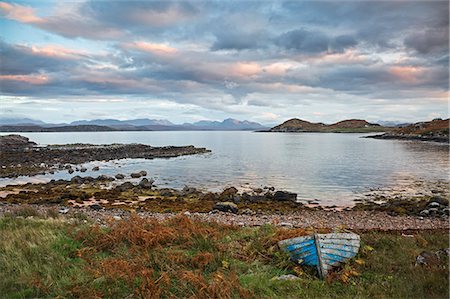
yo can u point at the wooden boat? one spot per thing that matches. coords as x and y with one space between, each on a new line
322 251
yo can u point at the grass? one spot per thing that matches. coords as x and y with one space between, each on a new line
181 258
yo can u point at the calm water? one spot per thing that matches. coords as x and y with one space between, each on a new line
331 168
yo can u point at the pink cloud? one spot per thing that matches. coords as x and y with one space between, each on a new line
19 13
30 79
154 48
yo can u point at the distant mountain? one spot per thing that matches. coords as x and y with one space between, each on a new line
227 124
131 122
19 121
394 124
350 125
142 124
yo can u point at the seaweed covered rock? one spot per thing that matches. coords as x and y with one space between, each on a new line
285 196
146 183
15 142
226 206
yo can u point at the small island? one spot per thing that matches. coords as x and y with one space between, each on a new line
296 125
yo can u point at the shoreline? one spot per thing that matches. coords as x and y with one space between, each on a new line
317 219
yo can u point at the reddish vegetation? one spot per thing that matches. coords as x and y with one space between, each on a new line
424 128
298 125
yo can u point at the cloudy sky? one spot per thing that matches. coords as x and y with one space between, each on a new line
264 61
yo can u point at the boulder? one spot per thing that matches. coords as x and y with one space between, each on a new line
83 169
77 180
229 192
285 196
70 170
96 207
104 177
143 173
124 187
433 204
226 206
286 277
189 190
95 168
119 176
146 183
135 175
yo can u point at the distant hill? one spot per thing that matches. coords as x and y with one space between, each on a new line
131 122
350 125
143 124
435 130
31 128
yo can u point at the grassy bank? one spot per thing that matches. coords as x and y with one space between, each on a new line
184 258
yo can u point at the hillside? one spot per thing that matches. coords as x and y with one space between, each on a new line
351 125
35 128
435 130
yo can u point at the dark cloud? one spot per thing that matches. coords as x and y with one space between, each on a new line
306 41
430 41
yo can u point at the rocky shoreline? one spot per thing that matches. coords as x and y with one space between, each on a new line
390 136
20 156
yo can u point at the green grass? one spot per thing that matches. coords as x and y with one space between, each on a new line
47 258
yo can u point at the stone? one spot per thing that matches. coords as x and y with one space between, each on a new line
117 217
143 173
166 192
83 169
146 183
95 168
229 191
189 190
226 206
70 170
427 258
433 211
285 196
104 177
77 180
135 175
119 176
124 187
433 204
424 213
96 207
187 213
258 190
63 210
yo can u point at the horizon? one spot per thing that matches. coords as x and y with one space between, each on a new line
184 61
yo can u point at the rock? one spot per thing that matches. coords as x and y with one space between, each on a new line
70 170
209 196
135 175
187 213
83 169
77 180
286 277
258 190
433 211
119 176
229 191
189 190
427 258
236 199
433 204
15 142
117 217
124 187
166 192
104 177
285 196
95 168
96 207
146 184
63 210
143 173
424 213
446 211
440 200
226 206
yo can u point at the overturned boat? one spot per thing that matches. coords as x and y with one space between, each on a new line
322 251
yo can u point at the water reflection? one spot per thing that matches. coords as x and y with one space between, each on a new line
332 168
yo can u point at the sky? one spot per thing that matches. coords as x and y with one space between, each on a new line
264 61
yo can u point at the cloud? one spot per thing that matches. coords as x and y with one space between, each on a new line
429 41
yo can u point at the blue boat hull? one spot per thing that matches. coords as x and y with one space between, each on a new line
323 251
